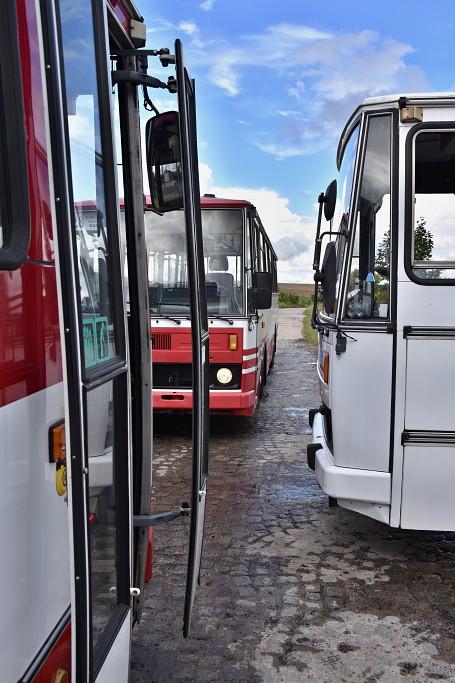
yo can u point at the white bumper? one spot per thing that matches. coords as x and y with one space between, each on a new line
347 483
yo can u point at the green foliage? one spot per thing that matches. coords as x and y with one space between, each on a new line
423 241
287 300
423 245
309 334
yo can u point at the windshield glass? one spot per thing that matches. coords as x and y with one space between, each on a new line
340 219
223 258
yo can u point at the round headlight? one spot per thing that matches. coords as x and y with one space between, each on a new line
224 375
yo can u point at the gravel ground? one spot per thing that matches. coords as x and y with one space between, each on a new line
291 590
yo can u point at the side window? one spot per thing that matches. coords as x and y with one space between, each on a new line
95 223
14 214
368 293
433 216
249 261
257 247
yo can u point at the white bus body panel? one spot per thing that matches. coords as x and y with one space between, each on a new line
35 572
349 485
430 383
428 500
360 388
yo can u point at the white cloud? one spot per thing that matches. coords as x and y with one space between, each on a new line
207 5
188 27
292 235
326 74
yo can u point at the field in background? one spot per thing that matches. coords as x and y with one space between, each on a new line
300 296
299 289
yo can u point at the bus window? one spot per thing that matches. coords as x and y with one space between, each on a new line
223 250
368 277
14 211
249 262
433 226
223 258
4 226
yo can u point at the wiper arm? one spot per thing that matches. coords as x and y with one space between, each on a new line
220 317
168 317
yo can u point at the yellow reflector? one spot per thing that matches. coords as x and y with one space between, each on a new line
232 342
325 369
57 442
411 114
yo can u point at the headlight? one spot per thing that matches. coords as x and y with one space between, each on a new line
224 375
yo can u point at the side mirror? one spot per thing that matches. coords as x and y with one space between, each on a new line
164 164
328 278
330 200
262 290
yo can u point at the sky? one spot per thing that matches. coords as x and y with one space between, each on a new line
276 81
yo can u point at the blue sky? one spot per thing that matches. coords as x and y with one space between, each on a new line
276 81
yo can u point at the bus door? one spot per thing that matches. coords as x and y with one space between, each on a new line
427 342
199 325
95 370
172 163
360 370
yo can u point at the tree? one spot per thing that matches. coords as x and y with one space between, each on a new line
423 245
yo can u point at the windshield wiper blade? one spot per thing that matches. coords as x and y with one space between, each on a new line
220 317
168 317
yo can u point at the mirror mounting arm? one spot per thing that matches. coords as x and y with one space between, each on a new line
140 78
342 233
161 517
163 53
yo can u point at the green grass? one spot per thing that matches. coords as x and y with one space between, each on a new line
286 300
308 333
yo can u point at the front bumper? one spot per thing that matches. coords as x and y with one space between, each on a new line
345 483
233 401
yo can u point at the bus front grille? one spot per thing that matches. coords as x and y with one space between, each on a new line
172 375
161 341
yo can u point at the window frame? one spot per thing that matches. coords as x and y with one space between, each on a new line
333 320
14 185
435 126
383 324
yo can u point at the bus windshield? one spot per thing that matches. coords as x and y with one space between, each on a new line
223 259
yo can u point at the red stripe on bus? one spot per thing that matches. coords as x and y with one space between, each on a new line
58 660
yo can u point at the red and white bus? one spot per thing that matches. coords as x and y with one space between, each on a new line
242 301
75 408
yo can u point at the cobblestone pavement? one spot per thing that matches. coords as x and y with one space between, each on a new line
291 589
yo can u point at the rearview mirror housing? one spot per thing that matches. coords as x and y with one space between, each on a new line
330 200
262 290
164 163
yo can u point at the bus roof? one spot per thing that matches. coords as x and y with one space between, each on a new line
435 99
214 202
219 202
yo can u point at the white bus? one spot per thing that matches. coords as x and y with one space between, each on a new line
383 439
